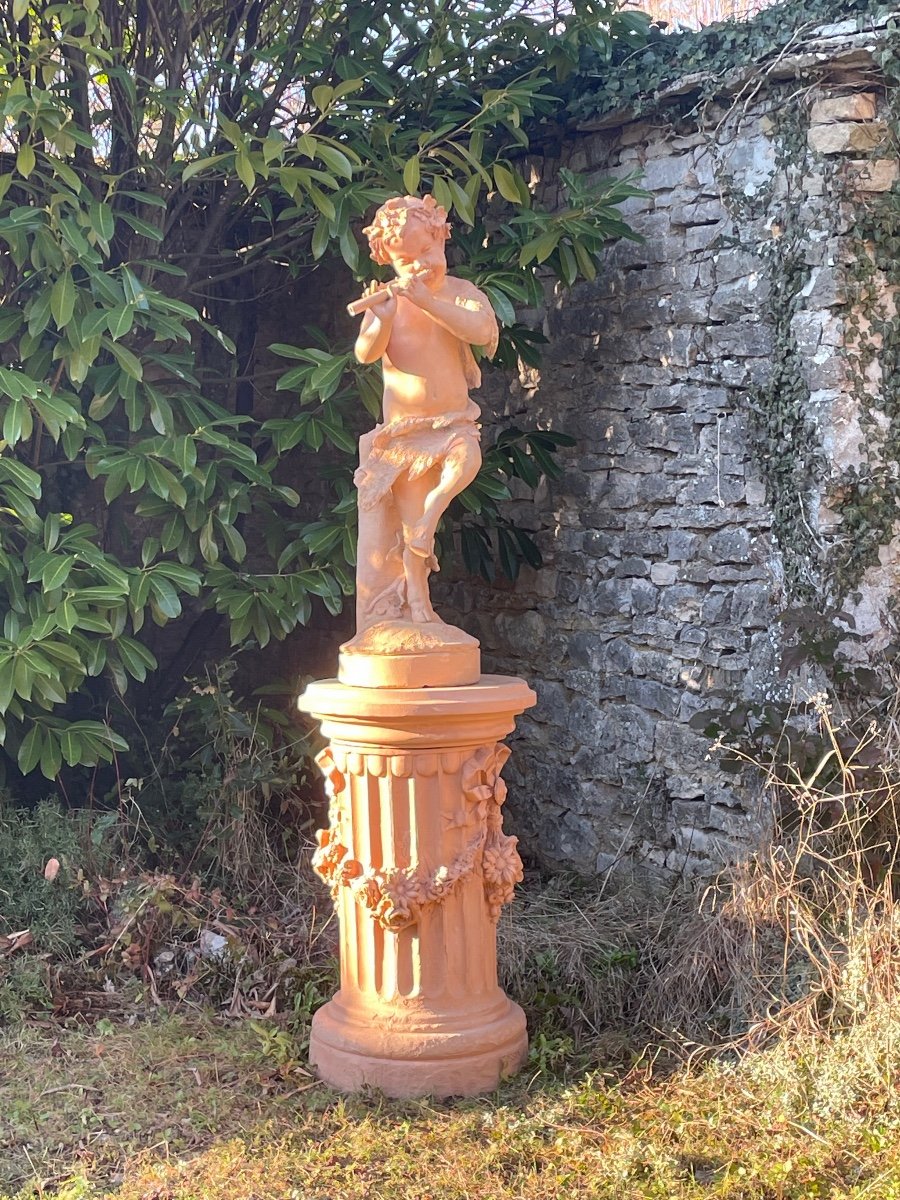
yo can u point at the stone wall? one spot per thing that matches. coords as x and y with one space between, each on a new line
677 534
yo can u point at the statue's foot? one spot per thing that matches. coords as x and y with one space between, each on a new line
423 614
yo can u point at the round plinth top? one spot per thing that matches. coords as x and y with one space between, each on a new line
491 694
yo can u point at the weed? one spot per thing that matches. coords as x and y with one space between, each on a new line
47 908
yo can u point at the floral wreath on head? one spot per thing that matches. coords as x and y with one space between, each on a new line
391 219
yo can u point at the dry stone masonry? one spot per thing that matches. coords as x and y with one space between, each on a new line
707 376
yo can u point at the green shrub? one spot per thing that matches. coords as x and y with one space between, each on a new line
28 840
160 184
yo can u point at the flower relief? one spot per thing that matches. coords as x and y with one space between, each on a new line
500 862
502 869
395 896
330 860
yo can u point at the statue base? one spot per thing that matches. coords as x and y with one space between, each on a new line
419 869
417 1053
410 654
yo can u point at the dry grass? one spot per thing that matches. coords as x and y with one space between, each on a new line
804 935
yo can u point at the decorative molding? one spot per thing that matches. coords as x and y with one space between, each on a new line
396 896
501 865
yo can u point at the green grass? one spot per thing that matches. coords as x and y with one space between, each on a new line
196 1108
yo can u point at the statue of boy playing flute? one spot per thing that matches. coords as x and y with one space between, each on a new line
422 327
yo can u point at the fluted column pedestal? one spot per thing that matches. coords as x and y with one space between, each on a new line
419 868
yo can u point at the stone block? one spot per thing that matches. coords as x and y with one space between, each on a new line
749 339
655 627
712 490
690 637
641 313
644 597
686 787
732 821
855 106
715 607
663 573
751 606
681 545
691 813
627 731
732 301
521 632
695 572
699 516
677 744
732 574
847 138
750 164
672 431
690 308
606 599
610 687
824 289
552 700
704 212
653 696
873 175
699 237
668 172
755 491
735 263
681 602
598 544
633 566
729 546
585 721
704 170
586 649
619 656
825 370
643 542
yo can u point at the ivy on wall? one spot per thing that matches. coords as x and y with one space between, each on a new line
785 436
868 495
633 78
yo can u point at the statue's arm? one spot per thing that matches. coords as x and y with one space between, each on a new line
375 332
469 316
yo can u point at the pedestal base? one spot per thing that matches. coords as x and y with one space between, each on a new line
419 868
417 1057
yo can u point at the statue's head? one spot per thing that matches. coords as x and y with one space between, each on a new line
406 225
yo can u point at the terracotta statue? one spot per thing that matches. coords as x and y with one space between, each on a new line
414 854
422 327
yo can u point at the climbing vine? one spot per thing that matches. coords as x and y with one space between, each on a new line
784 435
707 56
868 495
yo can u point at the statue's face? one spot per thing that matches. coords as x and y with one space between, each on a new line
419 251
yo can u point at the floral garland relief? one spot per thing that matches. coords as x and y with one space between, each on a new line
395 896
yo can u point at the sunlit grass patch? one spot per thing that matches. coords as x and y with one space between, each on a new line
192 1108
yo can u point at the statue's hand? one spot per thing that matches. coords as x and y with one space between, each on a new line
413 289
385 309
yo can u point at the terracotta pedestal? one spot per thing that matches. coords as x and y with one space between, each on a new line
419 869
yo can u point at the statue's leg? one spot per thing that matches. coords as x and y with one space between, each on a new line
458 470
411 497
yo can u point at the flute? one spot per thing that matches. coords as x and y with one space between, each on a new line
383 293
364 302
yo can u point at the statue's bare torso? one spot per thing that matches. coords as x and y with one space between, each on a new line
424 372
